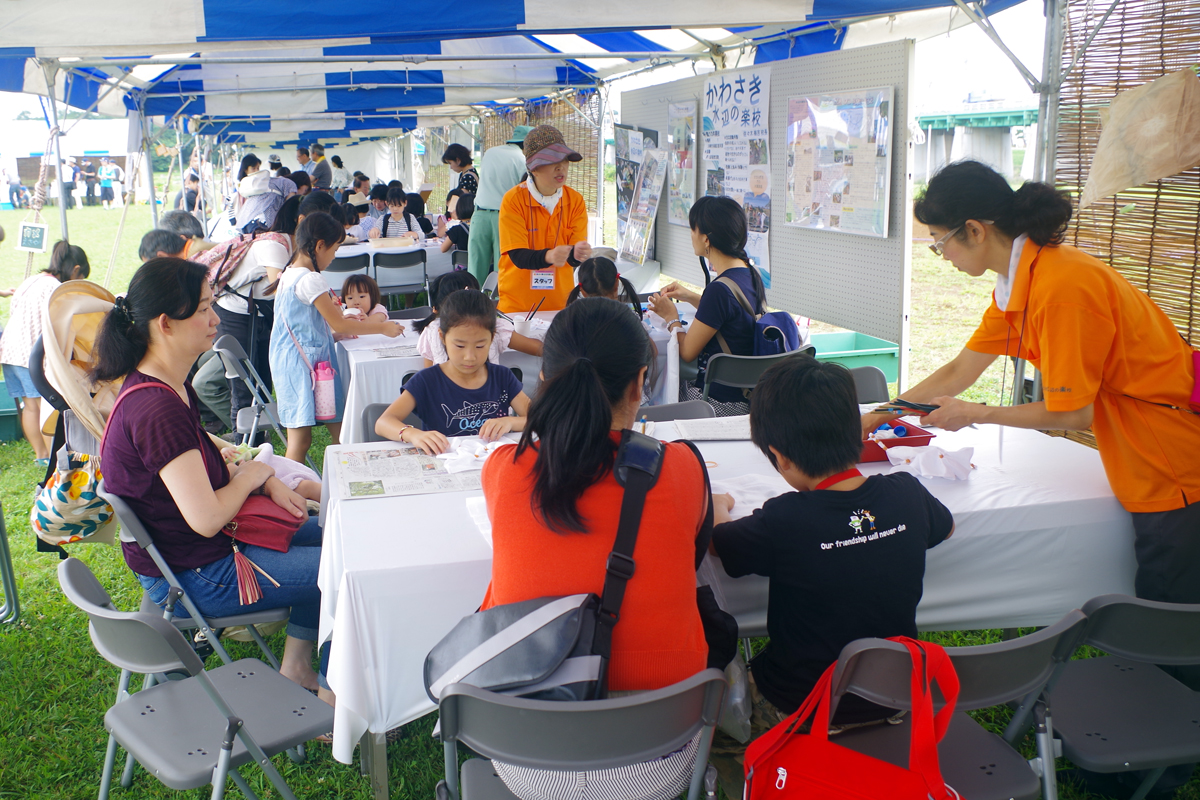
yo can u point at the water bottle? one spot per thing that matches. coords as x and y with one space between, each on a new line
324 395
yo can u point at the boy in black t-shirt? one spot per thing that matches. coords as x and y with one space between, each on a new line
845 553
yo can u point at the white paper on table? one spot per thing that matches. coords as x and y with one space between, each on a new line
369 341
399 351
750 491
715 429
932 462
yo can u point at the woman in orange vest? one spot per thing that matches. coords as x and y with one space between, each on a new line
543 228
1111 360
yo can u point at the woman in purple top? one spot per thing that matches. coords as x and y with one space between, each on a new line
158 458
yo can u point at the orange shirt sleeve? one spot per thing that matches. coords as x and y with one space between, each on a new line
995 336
1075 344
514 224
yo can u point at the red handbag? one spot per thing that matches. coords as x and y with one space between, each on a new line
783 764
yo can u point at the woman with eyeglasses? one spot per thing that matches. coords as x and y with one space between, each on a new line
1110 359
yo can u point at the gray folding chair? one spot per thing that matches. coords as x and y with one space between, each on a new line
198 731
420 312
588 735
238 367
10 612
740 372
977 763
345 266
459 259
690 409
1120 712
371 415
400 273
871 384
491 285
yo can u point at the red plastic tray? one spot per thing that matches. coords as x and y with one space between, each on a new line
917 437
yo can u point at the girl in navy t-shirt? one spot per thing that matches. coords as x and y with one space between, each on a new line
464 396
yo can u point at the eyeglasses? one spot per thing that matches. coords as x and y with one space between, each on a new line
937 246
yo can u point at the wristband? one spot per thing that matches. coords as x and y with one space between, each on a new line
400 434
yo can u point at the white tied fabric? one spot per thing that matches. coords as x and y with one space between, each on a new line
469 452
750 491
932 462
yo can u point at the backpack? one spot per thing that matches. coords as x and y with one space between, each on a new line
774 333
414 226
226 257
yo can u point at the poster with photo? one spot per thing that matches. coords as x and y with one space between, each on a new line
735 144
644 205
839 161
681 143
630 142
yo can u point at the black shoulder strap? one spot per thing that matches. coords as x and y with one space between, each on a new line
639 461
383 223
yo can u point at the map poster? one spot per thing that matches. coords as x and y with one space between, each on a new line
630 143
644 206
735 145
839 161
681 143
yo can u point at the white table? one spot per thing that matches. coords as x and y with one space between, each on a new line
368 379
436 262
1038 533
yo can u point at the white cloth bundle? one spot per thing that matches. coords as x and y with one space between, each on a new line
932 462
469 452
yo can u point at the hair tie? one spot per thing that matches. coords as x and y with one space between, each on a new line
122 307
584 360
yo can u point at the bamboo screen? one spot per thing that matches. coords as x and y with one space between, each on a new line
580 132
1151 233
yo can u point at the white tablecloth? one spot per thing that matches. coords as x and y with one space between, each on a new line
1038 533
369 379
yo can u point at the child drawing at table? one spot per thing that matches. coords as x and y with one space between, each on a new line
466 395
598 277
845 553
430 344
306 317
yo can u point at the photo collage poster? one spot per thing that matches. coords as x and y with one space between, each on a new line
735 140
839 161
644 205
630 142
681 142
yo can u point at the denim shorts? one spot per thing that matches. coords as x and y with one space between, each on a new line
18 382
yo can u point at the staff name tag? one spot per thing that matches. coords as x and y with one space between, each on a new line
542 280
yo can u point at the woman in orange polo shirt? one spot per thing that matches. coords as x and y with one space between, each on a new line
1110 359
543 228
554 505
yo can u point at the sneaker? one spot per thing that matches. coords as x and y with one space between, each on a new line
42 462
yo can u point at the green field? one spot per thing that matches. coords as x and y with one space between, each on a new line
55 688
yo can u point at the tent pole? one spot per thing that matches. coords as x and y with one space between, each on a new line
600 170
51 70
149 156
182 167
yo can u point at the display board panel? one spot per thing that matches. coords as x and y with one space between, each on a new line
855 282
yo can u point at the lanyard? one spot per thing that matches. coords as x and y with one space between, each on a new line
841 476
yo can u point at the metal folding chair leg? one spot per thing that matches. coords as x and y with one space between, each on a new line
10 612
110 755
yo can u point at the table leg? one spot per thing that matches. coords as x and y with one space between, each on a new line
373 759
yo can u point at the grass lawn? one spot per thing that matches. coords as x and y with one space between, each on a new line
56 688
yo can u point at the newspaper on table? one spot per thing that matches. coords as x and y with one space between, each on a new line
398 351
395 471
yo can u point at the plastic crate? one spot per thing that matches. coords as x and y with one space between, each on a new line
877 451
852 349
10 417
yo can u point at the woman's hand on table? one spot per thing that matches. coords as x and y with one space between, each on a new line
953 414
494 428
431 443
557 256
674 291
583 251
285 498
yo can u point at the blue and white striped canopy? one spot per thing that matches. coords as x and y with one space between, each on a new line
298 70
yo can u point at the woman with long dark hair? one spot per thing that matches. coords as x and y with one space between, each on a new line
722 326
158 458
29 302
1111 360
554 504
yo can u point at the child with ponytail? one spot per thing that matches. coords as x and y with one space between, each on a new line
306 317
598 277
